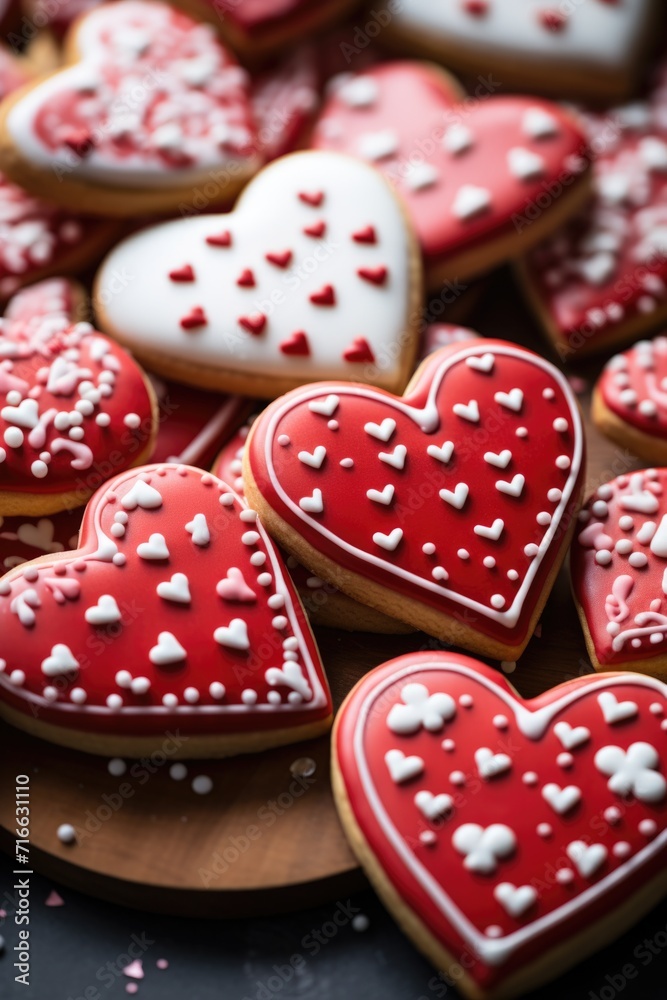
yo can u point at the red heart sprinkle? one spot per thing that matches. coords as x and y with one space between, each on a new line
254 324
316 230
376 275
246 278
359 350
325 297
220 239
314 198
195 318
281 259
365 235
184 273
296 344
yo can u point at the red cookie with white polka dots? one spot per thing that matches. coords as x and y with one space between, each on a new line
619 573
450 507
325 604
151 114
315 274
630 400
175 612
410 120
74 406
597 49
601 281
509 838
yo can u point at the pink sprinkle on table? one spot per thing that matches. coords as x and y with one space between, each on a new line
54 899
134 970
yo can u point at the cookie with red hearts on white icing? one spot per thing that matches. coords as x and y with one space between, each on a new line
630 399
596 49
151 108
315 274
175 612
450 507
75 408
619 572
325 604
601 280
509 838
411 121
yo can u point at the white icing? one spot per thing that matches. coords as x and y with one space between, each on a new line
560 799
177 589
402 768
457 497
432 806
484 847
105 612
270 214
633 771
490 764
614 710
597 36
587 858
571 736
515 899
167 650
420 708
154 548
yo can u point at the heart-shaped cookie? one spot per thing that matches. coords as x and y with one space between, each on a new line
36 238
74 407
595 49
509 838
315 274
151 107
175 613
411 121
285 99
259 28
602 280
449 508
325 604
619 572
630 401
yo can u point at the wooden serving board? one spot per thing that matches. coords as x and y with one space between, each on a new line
262 840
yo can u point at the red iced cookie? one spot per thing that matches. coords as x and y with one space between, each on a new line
152 110
630 400
619 572
449 508
407 119
74 407
175 611
602 279
285 99
510 838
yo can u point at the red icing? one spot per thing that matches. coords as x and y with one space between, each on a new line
609 266
493 719
53 372
633 383
636 607
447 380
417 106
220 240
175 498
284 101
207 99
194 424
438 335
